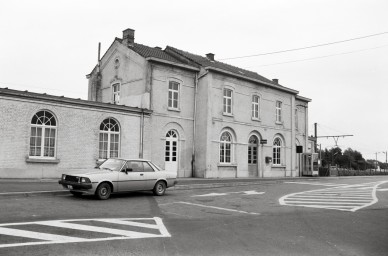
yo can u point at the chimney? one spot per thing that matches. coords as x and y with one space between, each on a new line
210 56
129 37
275 80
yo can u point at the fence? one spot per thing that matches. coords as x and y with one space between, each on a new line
335 171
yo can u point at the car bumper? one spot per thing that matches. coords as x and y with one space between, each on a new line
75 185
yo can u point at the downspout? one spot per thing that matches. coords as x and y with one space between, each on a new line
194 123
194 120
141 134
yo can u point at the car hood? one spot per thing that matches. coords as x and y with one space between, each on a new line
92 172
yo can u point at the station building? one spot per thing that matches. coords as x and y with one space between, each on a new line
209 119
187 113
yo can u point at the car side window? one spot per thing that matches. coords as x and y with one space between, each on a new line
134 166
147 167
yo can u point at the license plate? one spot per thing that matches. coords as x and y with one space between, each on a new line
69 186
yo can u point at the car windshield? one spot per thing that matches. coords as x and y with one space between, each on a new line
112 164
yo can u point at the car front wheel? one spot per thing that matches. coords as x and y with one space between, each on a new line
103 191
160 188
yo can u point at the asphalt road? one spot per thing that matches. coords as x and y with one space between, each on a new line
342 216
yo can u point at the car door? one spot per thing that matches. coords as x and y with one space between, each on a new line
150 175
132 176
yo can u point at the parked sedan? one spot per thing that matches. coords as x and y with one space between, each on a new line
120 175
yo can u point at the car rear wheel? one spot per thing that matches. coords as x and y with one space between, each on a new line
103 191
160 188
77 194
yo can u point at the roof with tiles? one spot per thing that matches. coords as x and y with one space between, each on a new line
205 62
155 52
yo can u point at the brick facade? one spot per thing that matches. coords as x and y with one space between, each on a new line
77 134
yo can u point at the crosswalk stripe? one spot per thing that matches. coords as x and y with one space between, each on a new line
330 199
37 235
96 229
129 223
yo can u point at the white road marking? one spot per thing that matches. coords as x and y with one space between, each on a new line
212 194
250 192
382 189
215 207
118 234
342 198
35 235
315 183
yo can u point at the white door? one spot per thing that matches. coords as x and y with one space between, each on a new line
171 151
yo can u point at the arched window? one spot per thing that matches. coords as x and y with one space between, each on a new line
109 139
226 147
277 146
43 135
171 146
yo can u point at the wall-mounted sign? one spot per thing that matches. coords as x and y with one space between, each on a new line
263 141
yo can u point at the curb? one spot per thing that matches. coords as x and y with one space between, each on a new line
176 187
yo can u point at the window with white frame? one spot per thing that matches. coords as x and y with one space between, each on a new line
228 101
43 135
277 151
278 111
252 149
226 148
109 139
255 107
173 95
116 93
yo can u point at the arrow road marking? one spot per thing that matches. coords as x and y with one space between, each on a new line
251 192
111 233
343 198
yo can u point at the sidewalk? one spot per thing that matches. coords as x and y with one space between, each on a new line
25 187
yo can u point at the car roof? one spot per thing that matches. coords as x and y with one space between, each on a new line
133 159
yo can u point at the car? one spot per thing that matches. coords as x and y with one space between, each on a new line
120 175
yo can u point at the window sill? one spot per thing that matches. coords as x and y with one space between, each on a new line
42 160
256 119
278 166
226 165
228 114
280 123
174 109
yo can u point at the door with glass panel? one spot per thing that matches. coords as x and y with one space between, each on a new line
253 152
171 151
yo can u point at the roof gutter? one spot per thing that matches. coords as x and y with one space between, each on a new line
153 59
298 97
253 80
70 101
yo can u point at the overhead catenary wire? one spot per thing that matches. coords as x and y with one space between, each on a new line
305 47
320 57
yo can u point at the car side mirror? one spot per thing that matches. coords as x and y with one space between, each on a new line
128 170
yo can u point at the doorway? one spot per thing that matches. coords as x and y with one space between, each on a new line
171 151
253 152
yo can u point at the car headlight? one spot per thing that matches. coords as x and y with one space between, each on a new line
85 180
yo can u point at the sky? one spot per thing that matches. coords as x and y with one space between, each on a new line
50 47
